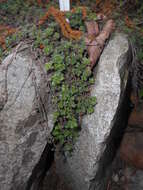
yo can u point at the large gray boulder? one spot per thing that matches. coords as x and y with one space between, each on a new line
24 125
109 88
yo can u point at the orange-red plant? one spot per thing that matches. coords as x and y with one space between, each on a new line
1 1
128 22
95 46
4 32
67 31
105 6
41 3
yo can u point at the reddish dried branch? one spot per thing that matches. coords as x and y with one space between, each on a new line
58 15
4 32
96 46
92 29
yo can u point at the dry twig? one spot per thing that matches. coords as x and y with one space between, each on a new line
96 46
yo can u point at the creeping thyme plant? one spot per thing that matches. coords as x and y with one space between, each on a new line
70 81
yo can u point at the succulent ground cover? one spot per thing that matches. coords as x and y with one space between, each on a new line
70 84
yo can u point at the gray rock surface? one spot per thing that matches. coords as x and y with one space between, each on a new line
23 119
111 79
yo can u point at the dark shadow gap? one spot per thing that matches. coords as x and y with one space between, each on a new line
39 172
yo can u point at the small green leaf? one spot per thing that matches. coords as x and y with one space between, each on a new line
86 74
86 61
141 93
59 66
93 101
140 55
66 133
71 124
57 78
90 110
56 115
48 50
45 42
68 148
49 66
49 31
57 58
56 36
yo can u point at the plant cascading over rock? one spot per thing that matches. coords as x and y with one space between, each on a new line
71 78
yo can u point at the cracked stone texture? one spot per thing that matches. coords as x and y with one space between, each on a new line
23 128
111 78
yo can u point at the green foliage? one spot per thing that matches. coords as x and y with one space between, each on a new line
1 54
19 12
76 18
140 54
137 40
57 78
48 50
49 66
92 16
141 94
70 82
13 6
49 32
